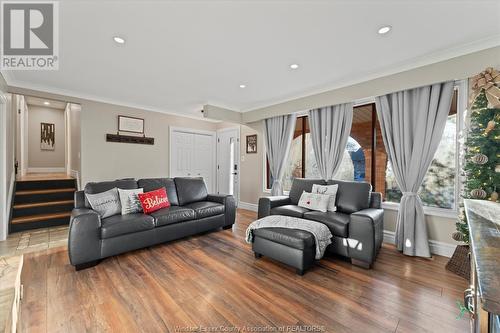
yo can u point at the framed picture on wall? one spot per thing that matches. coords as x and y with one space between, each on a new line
47 136
252 144
130 125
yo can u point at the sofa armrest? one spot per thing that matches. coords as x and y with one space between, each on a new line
79 199
84 238
376 200
229 207
366 229
268 203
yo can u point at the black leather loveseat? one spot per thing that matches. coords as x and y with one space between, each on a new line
357 225
192 211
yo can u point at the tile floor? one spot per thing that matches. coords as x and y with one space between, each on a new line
34 240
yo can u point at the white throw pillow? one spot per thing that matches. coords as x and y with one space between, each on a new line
314 201
331 190
130 201
106 203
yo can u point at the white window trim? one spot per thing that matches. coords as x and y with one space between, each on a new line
462 87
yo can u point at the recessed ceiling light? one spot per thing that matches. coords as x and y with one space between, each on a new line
46 103
385 29
242 86
294 66
119 40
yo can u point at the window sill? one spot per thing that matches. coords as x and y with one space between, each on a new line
268 191
431 211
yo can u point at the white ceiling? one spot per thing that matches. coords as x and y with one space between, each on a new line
180 55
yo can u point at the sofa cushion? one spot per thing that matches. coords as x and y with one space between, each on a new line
125 224
124 184
352 196
154 200
300 185
297 239
206 208
172 214
338 223
289 210
190 190
151 184
106 203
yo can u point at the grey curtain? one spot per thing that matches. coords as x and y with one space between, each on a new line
278 136
330 129
412 123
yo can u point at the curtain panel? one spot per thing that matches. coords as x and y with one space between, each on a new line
278 136
412 124
330 129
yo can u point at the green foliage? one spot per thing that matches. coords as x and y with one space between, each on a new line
481 141
482 176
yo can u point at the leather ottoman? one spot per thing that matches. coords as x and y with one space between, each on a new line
293 247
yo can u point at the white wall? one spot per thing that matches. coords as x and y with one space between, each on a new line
38 158
7 155
73 114
101 160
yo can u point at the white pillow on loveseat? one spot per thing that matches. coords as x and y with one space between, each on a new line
314 201
331 190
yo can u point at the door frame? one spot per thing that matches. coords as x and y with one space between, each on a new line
4 223
237 158
173 129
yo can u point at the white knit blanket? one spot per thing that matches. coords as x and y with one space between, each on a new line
321 233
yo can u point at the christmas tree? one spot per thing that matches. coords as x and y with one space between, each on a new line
482 157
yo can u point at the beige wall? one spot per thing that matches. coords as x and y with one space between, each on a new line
103 160
38 158
252 166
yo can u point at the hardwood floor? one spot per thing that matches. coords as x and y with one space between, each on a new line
213 280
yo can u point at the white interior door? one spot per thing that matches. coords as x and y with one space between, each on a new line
192 154
228 162
204 159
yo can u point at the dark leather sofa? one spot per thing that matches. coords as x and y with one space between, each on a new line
192 211
357 225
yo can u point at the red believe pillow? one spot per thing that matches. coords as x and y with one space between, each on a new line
154 200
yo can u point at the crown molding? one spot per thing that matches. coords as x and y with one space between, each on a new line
24 88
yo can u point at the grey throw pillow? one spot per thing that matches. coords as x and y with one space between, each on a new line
130 201
106 203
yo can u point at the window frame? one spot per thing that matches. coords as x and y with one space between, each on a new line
462 103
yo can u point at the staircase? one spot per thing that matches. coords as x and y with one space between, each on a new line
42 203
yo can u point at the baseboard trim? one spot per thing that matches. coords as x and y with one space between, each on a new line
46 170
437 247
248 206
75 174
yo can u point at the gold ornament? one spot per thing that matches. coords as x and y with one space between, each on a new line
490 127
478 193
480 159
494 196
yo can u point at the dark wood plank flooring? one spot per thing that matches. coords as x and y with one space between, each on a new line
213 280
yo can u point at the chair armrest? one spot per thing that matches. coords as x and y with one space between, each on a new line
376 200
229 206
374 214
366 232
79 199
84 238
268 203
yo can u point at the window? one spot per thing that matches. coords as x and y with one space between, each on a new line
365 159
